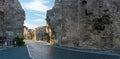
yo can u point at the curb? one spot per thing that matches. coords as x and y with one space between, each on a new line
3 48
94 52
29 52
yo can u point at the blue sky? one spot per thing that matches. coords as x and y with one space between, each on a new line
36 12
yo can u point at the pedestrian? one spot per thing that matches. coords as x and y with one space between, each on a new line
6 43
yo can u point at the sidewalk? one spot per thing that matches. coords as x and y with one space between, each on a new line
15 53
5 47
88 50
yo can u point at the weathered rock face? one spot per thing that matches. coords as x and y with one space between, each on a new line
89 24
34 34
29 34
12 19
40 31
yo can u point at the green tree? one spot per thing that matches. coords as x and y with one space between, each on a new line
19 41
47 37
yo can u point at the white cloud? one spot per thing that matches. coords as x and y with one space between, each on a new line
38 20
41 15
37 5
46 1
30 25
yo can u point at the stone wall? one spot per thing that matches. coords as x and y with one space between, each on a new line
87 24
12 19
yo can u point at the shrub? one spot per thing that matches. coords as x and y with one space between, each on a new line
19 41
47 38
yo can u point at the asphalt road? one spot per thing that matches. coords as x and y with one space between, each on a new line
15 53
41 50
